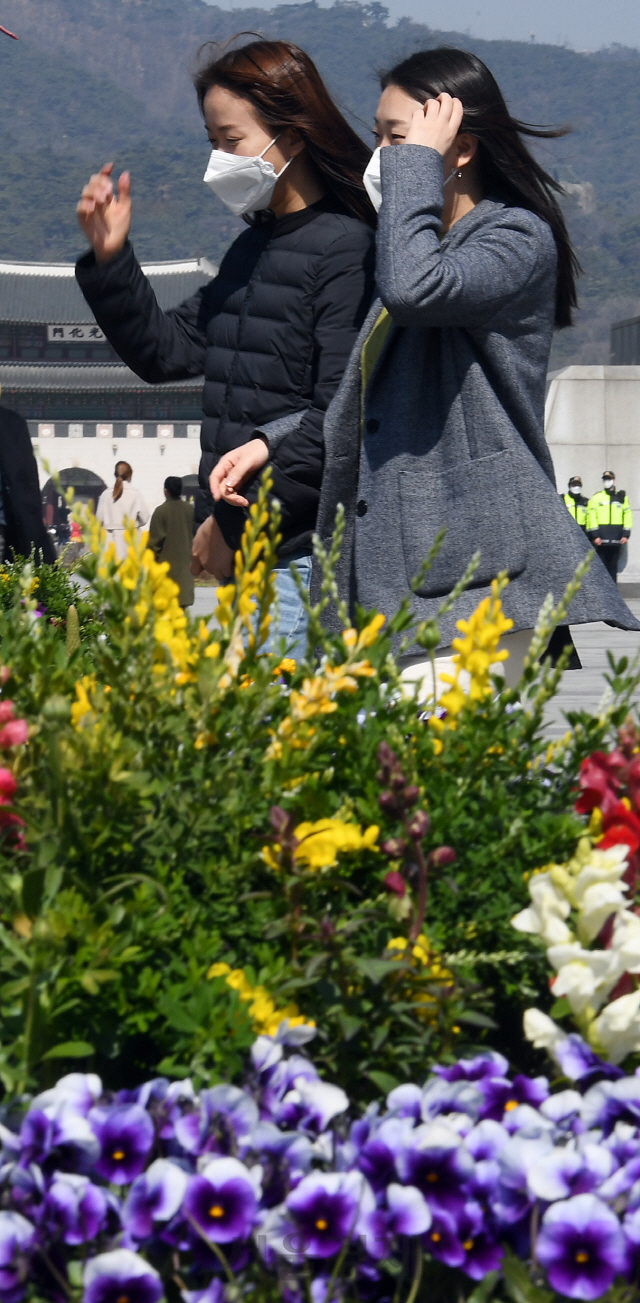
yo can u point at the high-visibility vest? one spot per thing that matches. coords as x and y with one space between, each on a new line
577 507
609 515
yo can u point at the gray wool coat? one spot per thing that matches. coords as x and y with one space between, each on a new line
453 430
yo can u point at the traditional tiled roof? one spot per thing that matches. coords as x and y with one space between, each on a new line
23 376
38 292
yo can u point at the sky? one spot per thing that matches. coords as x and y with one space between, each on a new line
581 24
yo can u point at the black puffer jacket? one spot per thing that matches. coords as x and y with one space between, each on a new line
272 334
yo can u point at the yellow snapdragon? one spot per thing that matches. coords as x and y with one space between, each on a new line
319 844
266 1017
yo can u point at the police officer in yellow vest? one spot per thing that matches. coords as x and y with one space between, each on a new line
574 501
609 521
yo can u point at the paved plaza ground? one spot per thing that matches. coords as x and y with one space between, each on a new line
580 689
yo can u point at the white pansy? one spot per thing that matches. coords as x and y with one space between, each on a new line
586 977
626 941
618 1027
541 1030
547 912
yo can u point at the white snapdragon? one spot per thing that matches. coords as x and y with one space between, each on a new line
591 889
541 1030
586 977
547 912
617 1029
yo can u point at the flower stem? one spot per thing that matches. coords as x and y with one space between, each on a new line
416 926
417 1275
211 1244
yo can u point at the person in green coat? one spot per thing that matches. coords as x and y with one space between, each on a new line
171 535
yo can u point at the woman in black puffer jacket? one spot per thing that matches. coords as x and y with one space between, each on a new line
272 332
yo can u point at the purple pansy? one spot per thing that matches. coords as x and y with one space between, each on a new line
121 1274
212 1293
311 1105
17 1236
442 1097
407 1213
609 1102
377 1157
75 1208
126 1135
79 1091
503 1096
155 1196
580 1063
433 1159
324 1210
60 1140
442 1240
221 1202
581 1245
489 1064
226 1113
406 1101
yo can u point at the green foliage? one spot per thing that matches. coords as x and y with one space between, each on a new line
58 597
190 802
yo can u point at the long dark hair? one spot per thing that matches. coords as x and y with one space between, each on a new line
286 90
123 472
508 171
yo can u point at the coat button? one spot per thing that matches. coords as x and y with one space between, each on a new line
362 508
373 425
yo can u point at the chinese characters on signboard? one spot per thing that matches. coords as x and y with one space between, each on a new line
75 335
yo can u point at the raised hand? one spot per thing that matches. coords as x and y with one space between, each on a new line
437 124
105 218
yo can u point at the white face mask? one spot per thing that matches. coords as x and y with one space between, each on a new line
372 183
245 183
608 484
371 179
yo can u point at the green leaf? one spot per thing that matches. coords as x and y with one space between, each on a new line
70 1050
383 1080
476 1019
375 969
561 1008
485 1289
349 1025
520 1287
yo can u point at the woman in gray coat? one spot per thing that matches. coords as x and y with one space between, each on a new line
439 417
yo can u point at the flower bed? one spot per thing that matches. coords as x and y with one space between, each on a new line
201 843
276 1191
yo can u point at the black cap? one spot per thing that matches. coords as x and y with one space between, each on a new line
608 475
575 479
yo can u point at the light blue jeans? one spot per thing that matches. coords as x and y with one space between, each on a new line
290 618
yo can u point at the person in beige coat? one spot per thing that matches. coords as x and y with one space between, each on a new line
171 535
119 506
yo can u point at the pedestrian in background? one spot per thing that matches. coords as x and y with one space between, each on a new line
22 528
575 502
170 537
609 522
120 506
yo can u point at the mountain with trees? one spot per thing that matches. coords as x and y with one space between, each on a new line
91 80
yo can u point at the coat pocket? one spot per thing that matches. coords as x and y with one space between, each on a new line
478 503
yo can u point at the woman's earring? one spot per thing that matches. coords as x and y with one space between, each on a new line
459 175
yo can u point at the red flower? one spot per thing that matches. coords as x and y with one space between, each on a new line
14 733
395 882
7 711
599 784
633 782
8 785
